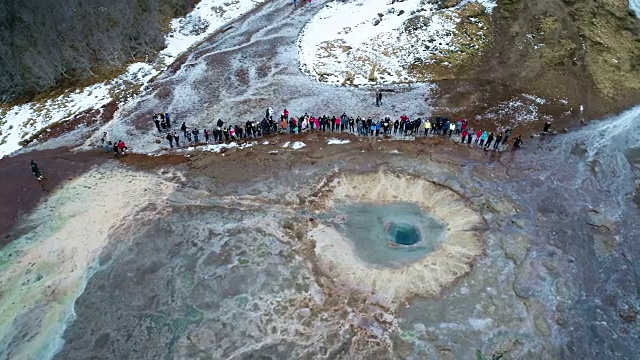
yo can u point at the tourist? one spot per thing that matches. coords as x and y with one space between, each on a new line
489 140
36 172
517 142
547 125
105 141
498 140
163 123
166 118
478 136
122 148
483 138
206 135
507 133
184 129
195 133
170 138
177 139
157 122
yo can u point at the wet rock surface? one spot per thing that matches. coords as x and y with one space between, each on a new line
229 272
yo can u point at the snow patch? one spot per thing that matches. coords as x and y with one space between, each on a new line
22 121
357 42
295 146
334 141
217 148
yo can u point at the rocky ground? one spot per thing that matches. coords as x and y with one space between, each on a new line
195 254
223 265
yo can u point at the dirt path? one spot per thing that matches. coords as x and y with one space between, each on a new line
20 192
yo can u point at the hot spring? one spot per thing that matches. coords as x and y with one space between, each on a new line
395 235
390 235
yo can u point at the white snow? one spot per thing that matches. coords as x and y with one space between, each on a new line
295 146
520 109
635 6
334 141
217 148
366 42
19 122
207 17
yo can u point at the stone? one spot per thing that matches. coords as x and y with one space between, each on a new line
304 312
516 247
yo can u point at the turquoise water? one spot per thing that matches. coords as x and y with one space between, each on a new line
403 234
391 235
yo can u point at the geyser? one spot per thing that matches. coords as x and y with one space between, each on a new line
403 234
396 236
390 234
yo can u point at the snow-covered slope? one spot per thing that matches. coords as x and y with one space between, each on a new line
635 6
376 41
19 122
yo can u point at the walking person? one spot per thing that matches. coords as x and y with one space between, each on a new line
170 138
206 135
166 118
177 139
184 129
547 125
195 135
157 122
36 172
517 142
377 98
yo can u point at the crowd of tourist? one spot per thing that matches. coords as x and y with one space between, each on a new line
367 127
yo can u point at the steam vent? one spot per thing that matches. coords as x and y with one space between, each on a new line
396 236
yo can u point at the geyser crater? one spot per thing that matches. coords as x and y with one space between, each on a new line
395 235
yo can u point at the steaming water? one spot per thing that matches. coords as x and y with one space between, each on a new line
371 228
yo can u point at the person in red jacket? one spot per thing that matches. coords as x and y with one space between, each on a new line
478 135
122 147
286 114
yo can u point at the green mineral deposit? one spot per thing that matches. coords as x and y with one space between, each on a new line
408 336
